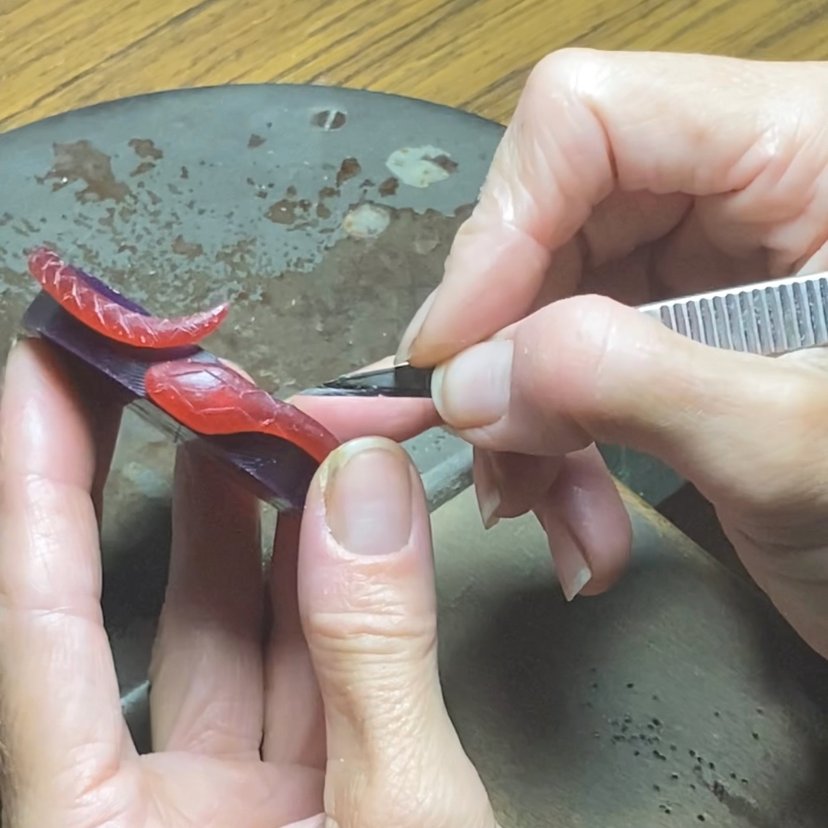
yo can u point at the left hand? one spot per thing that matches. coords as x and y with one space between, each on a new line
332 718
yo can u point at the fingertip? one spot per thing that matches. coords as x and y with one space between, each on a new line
412 332
42 424
365 519
351 418
25 355
610 558
58 418
587 525
368 497
572 568
510 484
492 276
487 489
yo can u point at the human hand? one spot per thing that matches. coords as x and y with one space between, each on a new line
639 176
309 697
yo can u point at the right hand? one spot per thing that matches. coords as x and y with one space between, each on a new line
640 176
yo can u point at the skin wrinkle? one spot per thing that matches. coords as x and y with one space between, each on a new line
586 356
85 788
629 178
52 487
756 160
767 189
791 596
45 543
814 220
399 788
196 721
538 140
389 764
364 594
106 771
390 635
771 494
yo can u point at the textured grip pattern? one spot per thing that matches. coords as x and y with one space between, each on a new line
771 318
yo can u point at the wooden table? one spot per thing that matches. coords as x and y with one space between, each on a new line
473 54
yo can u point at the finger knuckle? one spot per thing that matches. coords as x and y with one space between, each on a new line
561 67
381 633
569 346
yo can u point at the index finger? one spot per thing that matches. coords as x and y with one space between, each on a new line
589 123
348 418
60 714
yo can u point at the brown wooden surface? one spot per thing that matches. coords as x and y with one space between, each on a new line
474 54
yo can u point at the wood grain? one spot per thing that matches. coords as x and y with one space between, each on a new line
475 54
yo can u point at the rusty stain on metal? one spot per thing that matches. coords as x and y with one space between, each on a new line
143 167
81 161
444 162
184 248
145 148
390 186
347 170
288 210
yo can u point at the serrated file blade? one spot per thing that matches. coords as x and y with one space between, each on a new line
770 318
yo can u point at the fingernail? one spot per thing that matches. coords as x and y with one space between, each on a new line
367 491
571 567
572 587
414 327
486 489
474 388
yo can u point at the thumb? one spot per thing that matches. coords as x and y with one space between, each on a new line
744 428
368 606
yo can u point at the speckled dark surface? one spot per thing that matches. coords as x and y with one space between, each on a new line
679 699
